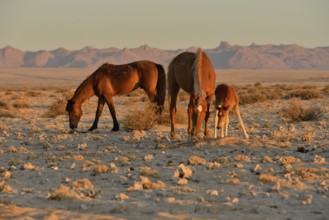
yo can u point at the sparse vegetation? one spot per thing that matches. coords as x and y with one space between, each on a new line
259 93
56 108
20 104
297 112
140 119
305 94
3 104
6 114
180 116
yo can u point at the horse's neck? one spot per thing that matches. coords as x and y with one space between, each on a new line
84 91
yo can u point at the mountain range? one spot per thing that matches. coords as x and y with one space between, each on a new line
225 56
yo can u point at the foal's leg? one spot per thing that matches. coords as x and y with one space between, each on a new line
99 110
226 124
237 110
109 101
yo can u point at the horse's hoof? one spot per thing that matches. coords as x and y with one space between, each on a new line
173 135
115 129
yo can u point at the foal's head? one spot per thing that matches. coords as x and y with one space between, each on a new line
198 113
221 113
74 112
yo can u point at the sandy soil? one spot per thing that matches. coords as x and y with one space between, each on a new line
47 172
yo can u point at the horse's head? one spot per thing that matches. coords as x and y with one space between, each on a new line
198 113
74 112
221 115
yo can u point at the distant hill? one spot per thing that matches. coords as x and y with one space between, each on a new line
225 56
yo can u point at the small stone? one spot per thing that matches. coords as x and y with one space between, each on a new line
170 199
182 181
238 165
122 196
213 192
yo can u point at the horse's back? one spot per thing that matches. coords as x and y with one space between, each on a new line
125 78
180 71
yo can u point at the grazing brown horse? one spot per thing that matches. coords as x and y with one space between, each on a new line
194 73
110 80
226 100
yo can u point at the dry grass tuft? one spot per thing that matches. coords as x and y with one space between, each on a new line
63 193
267 178
6 114
100 169
3 104
82 184
148 171
21 104
326 90
289 160
297 112
140 120
56 108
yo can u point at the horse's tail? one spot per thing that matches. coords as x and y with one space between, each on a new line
161 87
197 71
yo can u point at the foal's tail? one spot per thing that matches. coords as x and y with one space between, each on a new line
161 87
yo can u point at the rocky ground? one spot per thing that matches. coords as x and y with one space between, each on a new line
48 172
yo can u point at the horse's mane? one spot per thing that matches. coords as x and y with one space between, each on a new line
197 71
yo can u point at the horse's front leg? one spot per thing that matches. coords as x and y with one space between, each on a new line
189 115
110 104
99 111
206 129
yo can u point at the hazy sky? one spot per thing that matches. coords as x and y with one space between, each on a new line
167 24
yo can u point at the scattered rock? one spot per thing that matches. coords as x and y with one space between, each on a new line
148 158
241 157
319 160
213 165
238 165
266 159
182 181
121 197
302 150
193 160
213 192
170 199
82 146
183 172
100 169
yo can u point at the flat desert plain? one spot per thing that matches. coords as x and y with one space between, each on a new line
49 172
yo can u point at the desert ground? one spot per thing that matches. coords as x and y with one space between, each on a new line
50 172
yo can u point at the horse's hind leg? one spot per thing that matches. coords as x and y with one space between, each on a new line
109 101
99 111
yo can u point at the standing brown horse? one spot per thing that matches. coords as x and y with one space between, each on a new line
110 80
194 73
